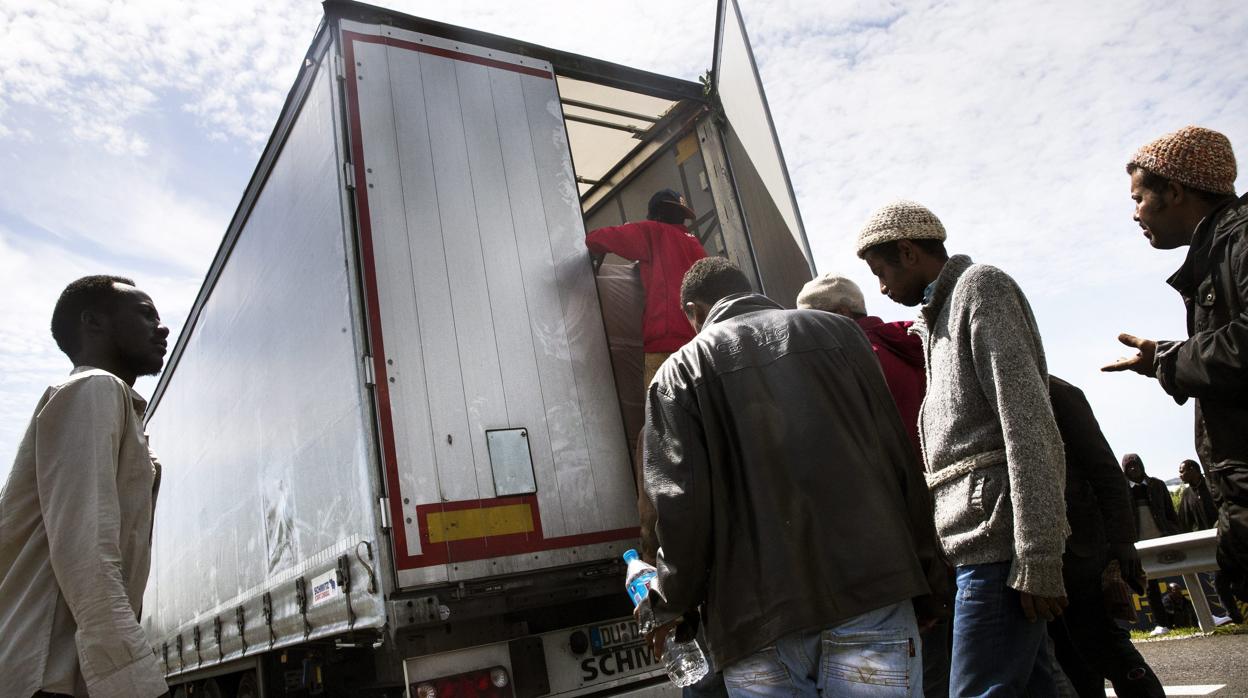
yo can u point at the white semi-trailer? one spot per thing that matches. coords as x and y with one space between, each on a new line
394 426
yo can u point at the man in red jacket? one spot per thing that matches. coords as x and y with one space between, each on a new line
900 353
666 250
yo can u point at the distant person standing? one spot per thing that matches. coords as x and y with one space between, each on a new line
1198 512
666 249
991 447
900 353
76 513
1154 518
1183 184
1090 646
1150 499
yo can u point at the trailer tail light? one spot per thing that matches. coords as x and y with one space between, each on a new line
494 682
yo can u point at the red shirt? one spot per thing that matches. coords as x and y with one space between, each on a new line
901 357
666 251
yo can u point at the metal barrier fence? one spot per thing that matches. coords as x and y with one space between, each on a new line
1184 555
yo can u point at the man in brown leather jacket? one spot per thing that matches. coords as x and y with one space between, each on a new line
790 504
1183 185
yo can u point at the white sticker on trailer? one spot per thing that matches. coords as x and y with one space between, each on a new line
325 587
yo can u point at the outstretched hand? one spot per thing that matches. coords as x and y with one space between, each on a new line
1142 362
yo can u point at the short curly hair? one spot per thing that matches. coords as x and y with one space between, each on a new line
710 279
88 293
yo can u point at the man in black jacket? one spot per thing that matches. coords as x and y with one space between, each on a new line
1154 518
1184 188
1197 512
1196 508
1089 645
1150 500
769 439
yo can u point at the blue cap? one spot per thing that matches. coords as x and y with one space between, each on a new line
630 555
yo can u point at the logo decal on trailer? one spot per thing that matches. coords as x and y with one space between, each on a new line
325 587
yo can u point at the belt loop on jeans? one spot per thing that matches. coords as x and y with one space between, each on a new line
962 468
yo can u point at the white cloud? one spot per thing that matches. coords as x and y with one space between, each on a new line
100 66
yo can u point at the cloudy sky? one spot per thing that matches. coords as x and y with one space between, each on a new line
128 130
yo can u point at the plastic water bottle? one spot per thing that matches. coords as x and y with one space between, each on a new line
685 661
637 583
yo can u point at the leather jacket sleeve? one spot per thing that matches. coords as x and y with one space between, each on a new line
1213 363
677 477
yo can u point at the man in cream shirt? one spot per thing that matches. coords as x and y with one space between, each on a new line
76 512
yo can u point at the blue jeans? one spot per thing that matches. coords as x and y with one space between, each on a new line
997 652
873 655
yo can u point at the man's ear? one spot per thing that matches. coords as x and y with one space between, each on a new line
908 252
1174 193
93 321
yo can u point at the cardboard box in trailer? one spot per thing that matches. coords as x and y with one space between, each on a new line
394 426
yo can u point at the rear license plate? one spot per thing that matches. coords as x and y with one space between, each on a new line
600 655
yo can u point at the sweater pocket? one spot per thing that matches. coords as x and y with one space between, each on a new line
965 507
986 491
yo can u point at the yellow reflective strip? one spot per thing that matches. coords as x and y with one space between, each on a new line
464 524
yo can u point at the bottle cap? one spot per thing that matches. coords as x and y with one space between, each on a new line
630 555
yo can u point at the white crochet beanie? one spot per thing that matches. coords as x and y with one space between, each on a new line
831 292
900 220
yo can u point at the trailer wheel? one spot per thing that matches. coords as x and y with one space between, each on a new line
179 692
211 689
248 686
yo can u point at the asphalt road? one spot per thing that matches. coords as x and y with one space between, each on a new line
1221 659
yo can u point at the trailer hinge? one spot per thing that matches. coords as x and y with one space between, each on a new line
240 619
370 373
164 650
348 174
383 505
339 69
301 598
344 583
199 655
266 605
216 637
181 660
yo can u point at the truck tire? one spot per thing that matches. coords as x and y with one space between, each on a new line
248 686
211 689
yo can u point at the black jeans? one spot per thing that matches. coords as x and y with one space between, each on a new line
1157 607
1091 647
1222 584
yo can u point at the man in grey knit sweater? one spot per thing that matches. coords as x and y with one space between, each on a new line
991 449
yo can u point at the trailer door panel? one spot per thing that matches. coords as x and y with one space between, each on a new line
762 180
485 327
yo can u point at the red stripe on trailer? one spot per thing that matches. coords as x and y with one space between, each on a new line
460 550
373 306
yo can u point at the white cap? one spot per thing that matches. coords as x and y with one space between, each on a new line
831 292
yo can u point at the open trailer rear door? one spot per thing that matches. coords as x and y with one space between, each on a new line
760 176
501 435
